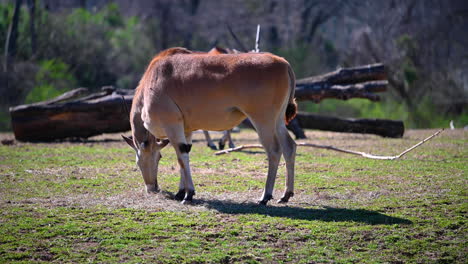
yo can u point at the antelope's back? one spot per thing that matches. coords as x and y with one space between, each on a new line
218 75
220 87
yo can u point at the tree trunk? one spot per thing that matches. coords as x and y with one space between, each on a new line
357 82
381 127
32 25
93 115
296 128
12 35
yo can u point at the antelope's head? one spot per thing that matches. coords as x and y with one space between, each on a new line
147 158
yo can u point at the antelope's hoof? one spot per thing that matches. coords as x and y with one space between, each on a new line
180 195
188 197
152 188
221 146
286 197
213 147
265 199
283 200
186 202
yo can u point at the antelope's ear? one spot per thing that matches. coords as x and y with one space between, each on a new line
129 141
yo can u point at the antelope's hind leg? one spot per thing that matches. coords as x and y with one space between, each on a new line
226 138
288 148
209 141
266 132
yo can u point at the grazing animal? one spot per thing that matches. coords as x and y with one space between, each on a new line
222 141
183 91
226 133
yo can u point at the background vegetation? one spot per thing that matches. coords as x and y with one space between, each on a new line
100 42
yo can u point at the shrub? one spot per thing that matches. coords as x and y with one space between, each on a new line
52 79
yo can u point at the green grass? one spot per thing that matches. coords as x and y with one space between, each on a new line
84 202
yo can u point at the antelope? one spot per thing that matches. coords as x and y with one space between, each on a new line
222 141
226 133
183 91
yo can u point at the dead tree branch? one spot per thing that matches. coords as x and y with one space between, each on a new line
363 154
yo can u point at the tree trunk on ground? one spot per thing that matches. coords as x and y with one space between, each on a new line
296 128
96 114
357 82
381 127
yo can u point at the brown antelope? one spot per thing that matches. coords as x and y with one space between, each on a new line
226 133
221 142
182 91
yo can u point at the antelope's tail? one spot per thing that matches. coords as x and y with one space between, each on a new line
291 109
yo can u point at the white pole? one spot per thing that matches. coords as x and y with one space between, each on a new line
257 39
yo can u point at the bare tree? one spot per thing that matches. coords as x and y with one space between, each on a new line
422 44
32 25
314 14
12 36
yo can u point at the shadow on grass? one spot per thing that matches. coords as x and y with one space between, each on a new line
328 214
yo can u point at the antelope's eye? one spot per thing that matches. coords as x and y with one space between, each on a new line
144 144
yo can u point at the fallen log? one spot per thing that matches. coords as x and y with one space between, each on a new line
102 112
73 94
346 83
381 127
296 128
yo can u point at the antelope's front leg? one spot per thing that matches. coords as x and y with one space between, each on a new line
186 177
180 195
182 144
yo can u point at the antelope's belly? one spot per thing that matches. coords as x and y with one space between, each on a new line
213 119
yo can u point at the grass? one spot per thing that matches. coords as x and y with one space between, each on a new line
84 202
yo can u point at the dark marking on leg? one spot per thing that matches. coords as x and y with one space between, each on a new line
185 148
